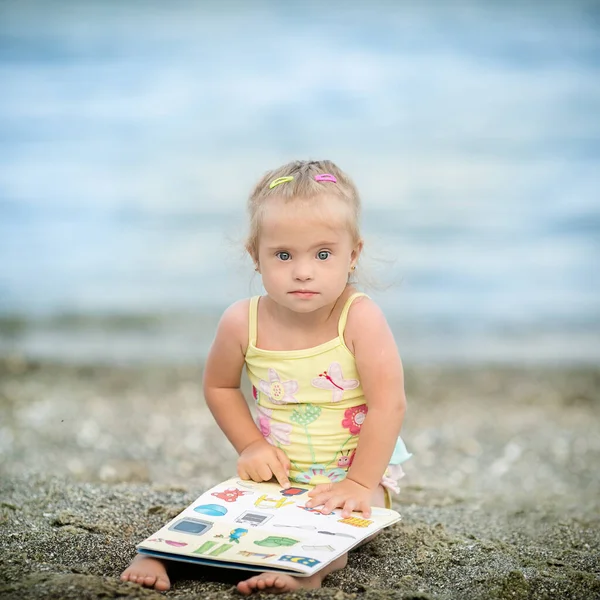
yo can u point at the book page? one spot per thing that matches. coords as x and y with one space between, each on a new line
261 526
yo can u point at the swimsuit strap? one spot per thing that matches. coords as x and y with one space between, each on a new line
345 311
253 320
253 317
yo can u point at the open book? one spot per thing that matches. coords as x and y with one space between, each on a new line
261 527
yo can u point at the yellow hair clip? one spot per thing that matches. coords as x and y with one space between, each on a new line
280 180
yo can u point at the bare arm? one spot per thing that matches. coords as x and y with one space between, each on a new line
382 379
258 460
222 376
380 371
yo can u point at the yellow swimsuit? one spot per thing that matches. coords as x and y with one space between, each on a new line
311 405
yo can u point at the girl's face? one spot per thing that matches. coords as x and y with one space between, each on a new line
305 253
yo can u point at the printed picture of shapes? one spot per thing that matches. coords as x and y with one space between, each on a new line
274 541
346 535
326 548
301 560
169 542
212 510
293 491
235 534
356 522
213 548
265 502
191 526
230 494
254 518
256 554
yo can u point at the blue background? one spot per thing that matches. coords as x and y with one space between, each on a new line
132 132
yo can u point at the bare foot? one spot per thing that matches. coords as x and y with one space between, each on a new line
276 583
148 572
280 583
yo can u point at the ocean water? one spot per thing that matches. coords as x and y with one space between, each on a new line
131 134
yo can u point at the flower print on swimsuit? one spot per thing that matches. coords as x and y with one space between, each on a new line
306 414
275 433
333 379
317 474
279 392
354 418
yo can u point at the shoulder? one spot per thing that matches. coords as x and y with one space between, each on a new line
227 353
233 325
236 314
366 322
364 312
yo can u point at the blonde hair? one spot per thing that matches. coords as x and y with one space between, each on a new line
301 188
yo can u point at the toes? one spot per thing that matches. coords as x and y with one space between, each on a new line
244 588
158 582
147 580
162 584
129 575
262 583
248 586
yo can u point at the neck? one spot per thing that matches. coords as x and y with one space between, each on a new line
311 320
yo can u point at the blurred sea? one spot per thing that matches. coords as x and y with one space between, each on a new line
131 133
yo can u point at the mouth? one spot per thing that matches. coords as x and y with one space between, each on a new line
303 293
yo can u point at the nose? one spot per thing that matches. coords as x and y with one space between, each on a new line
302 270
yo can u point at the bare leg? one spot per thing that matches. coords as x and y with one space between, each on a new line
148 572
279 583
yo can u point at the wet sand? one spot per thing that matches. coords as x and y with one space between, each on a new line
501 499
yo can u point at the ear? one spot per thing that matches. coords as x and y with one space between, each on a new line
254 256
355 255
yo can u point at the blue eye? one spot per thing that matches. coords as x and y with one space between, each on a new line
284 255
323 254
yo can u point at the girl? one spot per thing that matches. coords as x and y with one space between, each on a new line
322 361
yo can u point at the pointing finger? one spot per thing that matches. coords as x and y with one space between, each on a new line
284 460
280 474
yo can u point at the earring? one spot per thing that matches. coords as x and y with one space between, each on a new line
353 267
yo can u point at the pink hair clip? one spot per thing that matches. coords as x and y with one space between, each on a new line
279 181
326 177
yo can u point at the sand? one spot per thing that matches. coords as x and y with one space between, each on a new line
501 498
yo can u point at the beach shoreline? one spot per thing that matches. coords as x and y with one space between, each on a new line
499 501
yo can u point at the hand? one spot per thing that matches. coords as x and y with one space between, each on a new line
261 462
347 495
